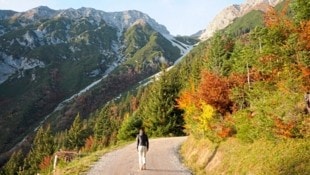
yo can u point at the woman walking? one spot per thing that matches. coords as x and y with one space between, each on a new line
142 147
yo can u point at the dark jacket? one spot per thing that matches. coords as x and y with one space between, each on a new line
142 140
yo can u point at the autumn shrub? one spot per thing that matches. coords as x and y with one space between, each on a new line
205 108
214 90
90 144
46 163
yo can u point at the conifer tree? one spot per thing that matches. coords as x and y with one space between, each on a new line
160 116
43 145
219 51
102 129
14 165
76 135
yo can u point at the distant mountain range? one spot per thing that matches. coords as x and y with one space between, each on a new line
44 26
49 58
229 14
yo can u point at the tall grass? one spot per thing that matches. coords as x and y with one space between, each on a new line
83 162
291 156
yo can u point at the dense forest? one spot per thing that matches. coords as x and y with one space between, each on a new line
247 85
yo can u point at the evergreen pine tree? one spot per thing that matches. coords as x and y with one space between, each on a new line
220 48
160 116
103 126
76 135
14 165
43 145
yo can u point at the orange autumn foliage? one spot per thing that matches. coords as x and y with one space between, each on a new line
201 105
284 129
89 143
187 98
280 20
215 90
268 58
134 103
226 127
46 162
306 77
304 34
225 132
271 18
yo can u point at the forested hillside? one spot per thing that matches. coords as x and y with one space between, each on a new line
246 113
239 96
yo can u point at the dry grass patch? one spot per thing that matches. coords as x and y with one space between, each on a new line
282 157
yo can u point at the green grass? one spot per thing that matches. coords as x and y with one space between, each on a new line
82 164
246 23
266 157
290 156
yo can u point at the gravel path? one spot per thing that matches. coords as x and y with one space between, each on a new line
162 158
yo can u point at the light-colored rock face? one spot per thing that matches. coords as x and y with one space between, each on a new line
262 5
255 2
227 16
10 65
223 19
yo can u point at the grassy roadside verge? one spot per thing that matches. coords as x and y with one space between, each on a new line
235 157
82 164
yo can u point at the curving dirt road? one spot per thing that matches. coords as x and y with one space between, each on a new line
162 158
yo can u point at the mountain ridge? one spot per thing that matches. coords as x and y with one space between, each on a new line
118 20
127 17
229 14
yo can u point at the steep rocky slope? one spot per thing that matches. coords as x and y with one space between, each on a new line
229 14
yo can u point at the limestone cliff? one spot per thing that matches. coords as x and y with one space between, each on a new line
229 14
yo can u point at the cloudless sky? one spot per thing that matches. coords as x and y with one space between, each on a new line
181 17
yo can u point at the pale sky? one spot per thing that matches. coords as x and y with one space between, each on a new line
181 17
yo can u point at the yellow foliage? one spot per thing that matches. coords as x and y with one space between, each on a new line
197 113
205 116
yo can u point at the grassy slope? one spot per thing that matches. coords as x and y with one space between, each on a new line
246 23
84 161
235 157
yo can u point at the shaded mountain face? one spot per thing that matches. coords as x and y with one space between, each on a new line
229 14
46 56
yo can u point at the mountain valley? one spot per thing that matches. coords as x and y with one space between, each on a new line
54 54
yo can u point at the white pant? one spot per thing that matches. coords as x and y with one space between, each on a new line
142 155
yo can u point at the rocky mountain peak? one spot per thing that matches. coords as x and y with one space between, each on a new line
41 12
229 14
4 14
119 20
140 22
128 18
255 2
